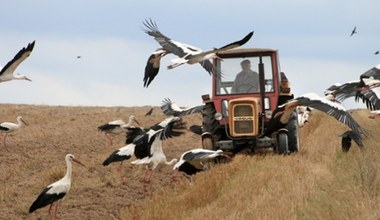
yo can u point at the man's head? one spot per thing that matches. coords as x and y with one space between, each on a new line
245 64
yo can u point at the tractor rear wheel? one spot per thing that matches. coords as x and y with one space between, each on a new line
210 125
282 142
293 133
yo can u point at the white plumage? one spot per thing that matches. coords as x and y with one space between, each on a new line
55 191
170 108
7 72
195 160
116 127
186 53
9 127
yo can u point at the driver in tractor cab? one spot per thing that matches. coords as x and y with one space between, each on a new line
247 80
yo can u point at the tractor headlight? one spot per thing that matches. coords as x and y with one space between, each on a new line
268 114
218 116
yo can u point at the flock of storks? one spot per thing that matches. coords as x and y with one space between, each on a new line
145 144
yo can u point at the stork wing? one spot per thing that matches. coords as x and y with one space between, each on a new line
170 108
169 45
228 46
372 98
153 66
19 58
343 91
354 136
169 130
374 73
333 109
200 154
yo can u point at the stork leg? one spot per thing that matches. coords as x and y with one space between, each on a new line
53 211
109 138
120 169
145 179
148 180
174 176
4 141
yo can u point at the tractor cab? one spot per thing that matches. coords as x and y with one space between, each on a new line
247 87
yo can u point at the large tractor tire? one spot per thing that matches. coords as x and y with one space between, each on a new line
282 142
293 133
210 125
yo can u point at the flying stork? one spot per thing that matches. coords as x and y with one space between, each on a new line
353 32
6 73
149 112
9 127
170 108
186 53
55 191
195 160
282 113
116 127
146 143
364 88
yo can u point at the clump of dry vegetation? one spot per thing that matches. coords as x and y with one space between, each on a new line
319 182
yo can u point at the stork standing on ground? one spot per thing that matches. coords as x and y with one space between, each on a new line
55 191
186 53
9 127
116 127
195 160
146 143
6 73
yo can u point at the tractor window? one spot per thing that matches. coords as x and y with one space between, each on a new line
240 75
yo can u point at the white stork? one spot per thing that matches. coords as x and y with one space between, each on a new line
55 191
361 89
282 114
145 144
116 127
153 66
186 53
6 73
346 140
9 127
339 92
170 108
195 160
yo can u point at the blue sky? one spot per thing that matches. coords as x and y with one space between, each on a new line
312 38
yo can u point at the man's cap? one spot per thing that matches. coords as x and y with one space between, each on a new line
245 62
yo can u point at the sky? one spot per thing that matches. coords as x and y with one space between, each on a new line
312 37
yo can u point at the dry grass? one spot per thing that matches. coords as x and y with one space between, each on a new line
320 182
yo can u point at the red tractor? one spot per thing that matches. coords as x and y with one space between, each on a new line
237 119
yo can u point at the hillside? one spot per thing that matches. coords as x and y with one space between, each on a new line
320 182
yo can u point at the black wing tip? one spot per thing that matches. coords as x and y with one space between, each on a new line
247 38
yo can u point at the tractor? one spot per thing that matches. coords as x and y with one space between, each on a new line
235 121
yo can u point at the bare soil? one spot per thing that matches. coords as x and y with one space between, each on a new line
34 158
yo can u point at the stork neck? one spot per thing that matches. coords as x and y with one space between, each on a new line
69 169
172 162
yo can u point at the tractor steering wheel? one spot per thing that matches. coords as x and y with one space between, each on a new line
246 88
